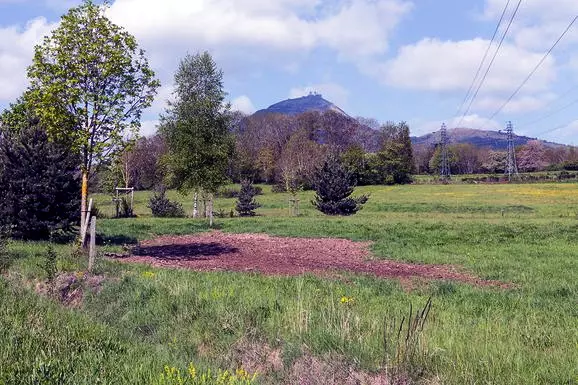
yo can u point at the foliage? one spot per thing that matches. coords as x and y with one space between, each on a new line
333 185
196 126
6 257
89 83
532 157
234 192
495 162
396 155
125 209
140 165
246 204
436 160
174 376
163 207
38 184
49 264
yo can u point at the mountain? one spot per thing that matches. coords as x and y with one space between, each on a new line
370 138
311 102
480 138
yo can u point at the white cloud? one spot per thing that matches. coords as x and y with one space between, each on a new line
244 104
16 50
354 27
469 121
435 65
148 127
330 91
521 104
538 22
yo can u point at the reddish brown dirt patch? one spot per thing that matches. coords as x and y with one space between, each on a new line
217 251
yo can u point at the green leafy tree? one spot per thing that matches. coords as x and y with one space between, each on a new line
89 83
196 128
396 156
436 160
334 184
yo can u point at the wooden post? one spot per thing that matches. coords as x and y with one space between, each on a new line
211 210
84 226
132 200
92 249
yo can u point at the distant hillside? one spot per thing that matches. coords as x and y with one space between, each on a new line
479 138
311 102
370 138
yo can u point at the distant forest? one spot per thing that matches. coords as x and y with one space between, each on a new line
285 150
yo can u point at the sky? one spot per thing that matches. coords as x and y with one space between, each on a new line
392 60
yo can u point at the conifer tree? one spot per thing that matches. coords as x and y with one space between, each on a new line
246 204
334 185
39 183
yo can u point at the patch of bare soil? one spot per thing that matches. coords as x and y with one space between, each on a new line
69 288
307 369
218 251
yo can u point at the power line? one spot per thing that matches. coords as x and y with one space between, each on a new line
552 113
492 61
555 128
535 68
479 70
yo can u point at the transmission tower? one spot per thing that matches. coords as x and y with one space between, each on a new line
445 162
511 166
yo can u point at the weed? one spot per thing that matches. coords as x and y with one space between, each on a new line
49 264
403 342
174 376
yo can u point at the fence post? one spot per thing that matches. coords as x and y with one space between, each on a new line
84 226
92 249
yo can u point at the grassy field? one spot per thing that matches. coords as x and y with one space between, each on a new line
142 319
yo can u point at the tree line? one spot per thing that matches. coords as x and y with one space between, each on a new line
465 158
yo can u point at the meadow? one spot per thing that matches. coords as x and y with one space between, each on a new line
144 325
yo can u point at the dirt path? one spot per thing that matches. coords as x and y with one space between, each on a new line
217 251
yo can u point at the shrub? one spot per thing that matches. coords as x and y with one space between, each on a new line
234 193
125 210
246 204
227 193
39 185
334 185
163 207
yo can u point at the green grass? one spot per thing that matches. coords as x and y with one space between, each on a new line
523 234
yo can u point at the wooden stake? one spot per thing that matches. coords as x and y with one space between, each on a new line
92 249
84 226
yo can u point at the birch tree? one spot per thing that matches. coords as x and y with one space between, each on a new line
196 128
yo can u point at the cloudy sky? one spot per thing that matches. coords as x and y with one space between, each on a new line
386 59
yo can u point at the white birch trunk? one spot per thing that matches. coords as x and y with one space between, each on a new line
195 206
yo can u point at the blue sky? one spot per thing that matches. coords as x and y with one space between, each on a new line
386 59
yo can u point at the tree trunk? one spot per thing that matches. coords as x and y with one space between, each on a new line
195 207
83 200
211 210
